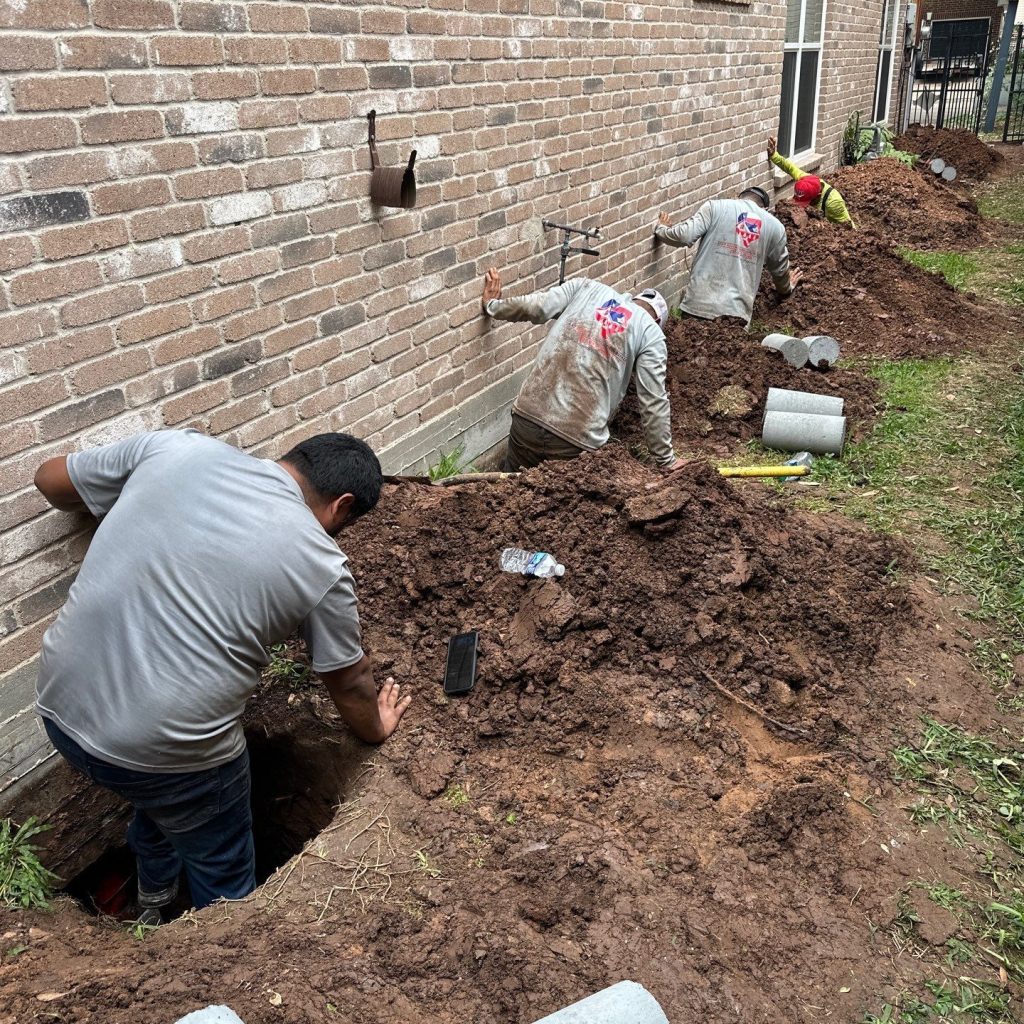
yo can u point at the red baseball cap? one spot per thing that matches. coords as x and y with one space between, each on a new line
806 190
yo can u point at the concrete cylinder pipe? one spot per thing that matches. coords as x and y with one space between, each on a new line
781 400
822 351
625 1003
804 432
793 350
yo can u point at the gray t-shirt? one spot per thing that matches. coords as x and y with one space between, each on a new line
204 556
738 240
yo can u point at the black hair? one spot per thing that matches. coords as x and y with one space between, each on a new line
336 464
762 196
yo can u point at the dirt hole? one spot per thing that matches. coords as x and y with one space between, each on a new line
301 770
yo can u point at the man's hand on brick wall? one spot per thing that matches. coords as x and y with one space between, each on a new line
492 286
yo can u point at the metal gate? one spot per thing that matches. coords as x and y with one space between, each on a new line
1013 129
949 72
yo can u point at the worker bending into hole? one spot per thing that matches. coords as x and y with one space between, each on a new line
599 340
203 557
738 239
810 192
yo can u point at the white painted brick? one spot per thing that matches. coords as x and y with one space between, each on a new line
302 195
202 118
241 206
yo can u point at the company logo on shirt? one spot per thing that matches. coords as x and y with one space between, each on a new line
612 319
748 227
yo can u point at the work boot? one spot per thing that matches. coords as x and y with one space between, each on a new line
153 905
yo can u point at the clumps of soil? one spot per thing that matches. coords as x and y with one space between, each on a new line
718 379
910 206
957 146
861 291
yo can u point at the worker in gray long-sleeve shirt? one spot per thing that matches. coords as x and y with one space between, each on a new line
599 340
738 239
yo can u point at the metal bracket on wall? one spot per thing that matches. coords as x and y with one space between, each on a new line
567 248
390 186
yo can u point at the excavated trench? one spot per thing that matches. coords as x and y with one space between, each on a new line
302 768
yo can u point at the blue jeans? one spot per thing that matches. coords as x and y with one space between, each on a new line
199 821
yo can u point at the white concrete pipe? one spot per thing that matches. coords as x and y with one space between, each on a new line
625 1003
938 165
822 351
804 432
793 350
949 174
781 400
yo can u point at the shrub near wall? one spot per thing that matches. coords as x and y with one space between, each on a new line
188 239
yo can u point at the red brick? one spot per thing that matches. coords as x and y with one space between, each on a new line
109 370
308 304
132 195
153 323
132 14
224 301
204 16
314 50
160 223
325 108
225 85
277 18
27 53
27 134
29 325
58 14
155 158
249 265
149 87
245 326
30 396
56 353
222 242
70 169
255 50
106 52
104 305
60 243
350 78
176 286
267 113
122 126
186 51
51 282
16 252
282 285
212 182
287 81
186 344
289 337
273 172
69 92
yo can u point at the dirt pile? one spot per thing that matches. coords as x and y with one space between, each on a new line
959 147
859 290
718 380
909 206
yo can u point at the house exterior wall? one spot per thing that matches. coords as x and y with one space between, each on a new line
942 10
188 240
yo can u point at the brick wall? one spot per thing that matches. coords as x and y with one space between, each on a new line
943 9
188 239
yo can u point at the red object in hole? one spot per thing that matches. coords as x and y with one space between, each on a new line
113 895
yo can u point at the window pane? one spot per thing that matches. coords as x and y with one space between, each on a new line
793 21
813 21
807 101
786 113
885 32
882 103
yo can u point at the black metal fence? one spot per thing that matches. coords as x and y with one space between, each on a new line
1013 128
945 83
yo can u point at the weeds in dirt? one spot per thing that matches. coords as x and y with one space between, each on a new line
283 669
456 795
24 882
945 468
449 464
425 864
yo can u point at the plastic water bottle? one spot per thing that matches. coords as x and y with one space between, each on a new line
800 459
530 563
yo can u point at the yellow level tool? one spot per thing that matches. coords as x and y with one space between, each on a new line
765 470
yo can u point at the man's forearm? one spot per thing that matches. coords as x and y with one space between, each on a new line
355 696
54 483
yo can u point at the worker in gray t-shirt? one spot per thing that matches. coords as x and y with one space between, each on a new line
599 340
204 556
738 238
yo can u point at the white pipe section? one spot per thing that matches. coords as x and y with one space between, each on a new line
822 351
793 350
625 1003
804 432
781 400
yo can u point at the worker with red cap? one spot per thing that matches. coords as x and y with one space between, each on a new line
810 192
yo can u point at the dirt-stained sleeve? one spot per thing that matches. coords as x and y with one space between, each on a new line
537 307
655 409
690 231
777 259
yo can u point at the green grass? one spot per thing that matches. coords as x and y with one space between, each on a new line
1002 199
449 464
945 468
997 273
24 882
957 268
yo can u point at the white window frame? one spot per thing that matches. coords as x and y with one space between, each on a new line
891 47
787 145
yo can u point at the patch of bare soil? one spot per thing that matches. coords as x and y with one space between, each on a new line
718 380
673 768
959 147
859 290
911 206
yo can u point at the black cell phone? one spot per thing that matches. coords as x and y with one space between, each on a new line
460 671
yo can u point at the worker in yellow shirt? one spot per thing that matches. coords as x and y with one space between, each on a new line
811 191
